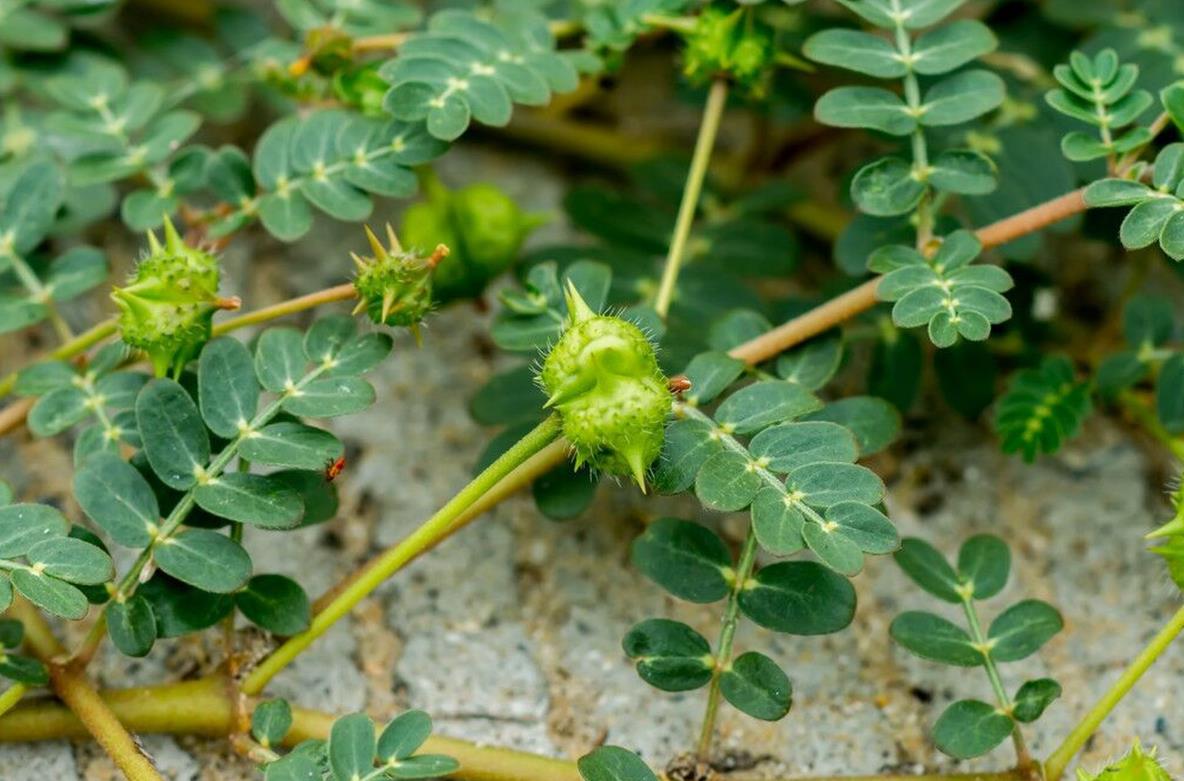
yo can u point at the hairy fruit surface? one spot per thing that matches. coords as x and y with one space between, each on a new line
602 377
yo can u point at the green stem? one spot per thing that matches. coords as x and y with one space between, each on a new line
712 114
11 696
390 562
912 96
727 633
1022 756
39 293
1146 417
1055 766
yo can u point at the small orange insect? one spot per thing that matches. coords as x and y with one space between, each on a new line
334 467
678 384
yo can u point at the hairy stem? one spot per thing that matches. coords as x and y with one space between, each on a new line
69 683
202 707
1149 420
1023 758
727 633
11 696
1055 766
311 301
713 112
395 558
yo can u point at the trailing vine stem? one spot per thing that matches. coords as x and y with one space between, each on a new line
1055 766
202 707
713 112
912 94
1022 757
395 558
70 684
727 633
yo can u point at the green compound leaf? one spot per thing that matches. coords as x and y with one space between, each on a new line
755 685
727 481
687 559
463 67
12 632
1148 320
5 593
275 603
984 562
764 404
23 526
777 523
814 363
934 638
226 387
31 206
210 561
1099 93
1042 408
970 728
787 446
175 439
132 626
292 445
887 187
857 51
351 746
951 46
611 763
710 374
944 292
424 766
260 500
360 355
1022 629
1169 394
118 499
330 397
57 411
872 108
963 171
271 721
1033 698
50 594
180 609
874 422
279 359
961 98
71 560
669 655
23 669
404 735
926 567
799 598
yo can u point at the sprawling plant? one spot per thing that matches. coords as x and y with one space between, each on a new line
642 350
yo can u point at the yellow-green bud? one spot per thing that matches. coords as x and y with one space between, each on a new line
395 287
1137 765
602 378
168 303
730 43
482 226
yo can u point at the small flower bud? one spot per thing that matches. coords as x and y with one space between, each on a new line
395 287
167 305
602 378
730 43
483 226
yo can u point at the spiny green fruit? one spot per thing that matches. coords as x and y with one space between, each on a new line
1170 537
482 226
602 378
167 306
732 43
1137 765
395 287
